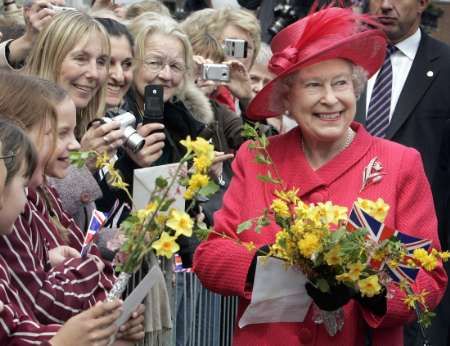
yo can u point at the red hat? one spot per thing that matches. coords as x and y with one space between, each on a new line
330 33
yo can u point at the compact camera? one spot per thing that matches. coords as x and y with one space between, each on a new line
216 72
59 9
235 48
133 140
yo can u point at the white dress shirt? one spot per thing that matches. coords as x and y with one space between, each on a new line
402 61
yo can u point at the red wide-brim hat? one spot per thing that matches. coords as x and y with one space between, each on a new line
331 33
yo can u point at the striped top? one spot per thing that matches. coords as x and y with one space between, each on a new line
53 295
17 327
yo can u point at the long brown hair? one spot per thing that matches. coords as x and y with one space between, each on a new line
30 101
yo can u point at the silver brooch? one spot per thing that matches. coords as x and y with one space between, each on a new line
372 173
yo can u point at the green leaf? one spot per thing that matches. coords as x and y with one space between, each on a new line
167 203
209 189
263 141
244 226
260 158
249 131
161 182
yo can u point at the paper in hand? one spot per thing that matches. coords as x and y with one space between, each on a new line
279 294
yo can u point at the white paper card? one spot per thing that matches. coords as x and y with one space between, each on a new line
279 294
136 297
144 184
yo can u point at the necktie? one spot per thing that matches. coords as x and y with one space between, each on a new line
380 102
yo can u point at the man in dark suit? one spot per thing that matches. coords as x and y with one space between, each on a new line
419 107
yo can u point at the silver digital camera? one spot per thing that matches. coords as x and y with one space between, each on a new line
216 72
132 140
235 48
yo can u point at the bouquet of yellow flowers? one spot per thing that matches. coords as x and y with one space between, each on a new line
333 247
157 226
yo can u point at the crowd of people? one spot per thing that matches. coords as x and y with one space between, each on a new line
326 92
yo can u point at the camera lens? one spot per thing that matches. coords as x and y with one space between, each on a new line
133 140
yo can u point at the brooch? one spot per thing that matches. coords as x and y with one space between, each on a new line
372 173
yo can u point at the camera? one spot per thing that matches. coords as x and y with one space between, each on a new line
59 9
153 104
133 140
235 48
216 72
286 12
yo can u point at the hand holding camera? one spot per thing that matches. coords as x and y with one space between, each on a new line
154 136
239 84
102 137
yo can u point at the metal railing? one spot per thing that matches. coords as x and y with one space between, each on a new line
199 316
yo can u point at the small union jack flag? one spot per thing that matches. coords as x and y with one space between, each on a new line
378 232
97 220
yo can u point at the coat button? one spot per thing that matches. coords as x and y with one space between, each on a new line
316 197
305 336
85 197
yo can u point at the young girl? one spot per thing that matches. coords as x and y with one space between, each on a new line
18 160
55 294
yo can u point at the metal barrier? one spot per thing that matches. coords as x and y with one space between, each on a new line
199 316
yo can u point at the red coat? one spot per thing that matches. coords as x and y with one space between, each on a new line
222 265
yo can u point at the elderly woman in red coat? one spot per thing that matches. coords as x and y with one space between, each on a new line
321 63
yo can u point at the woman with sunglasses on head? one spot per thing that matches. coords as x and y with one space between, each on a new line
321 63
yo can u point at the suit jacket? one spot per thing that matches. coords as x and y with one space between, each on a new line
423 108
222 264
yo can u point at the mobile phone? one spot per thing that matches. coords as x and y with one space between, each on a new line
235 48
153 104
216 72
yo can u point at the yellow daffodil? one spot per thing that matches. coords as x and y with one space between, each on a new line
250 246
427 261
343 277
197 181
333 257
102 160
290 196
298 227
280 208
410 300
180 222
370 286
301 209
189 194
445 255
355 270
166 245
377 209
202 163
309 245
188 144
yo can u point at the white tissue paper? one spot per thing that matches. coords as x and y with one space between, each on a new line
279 294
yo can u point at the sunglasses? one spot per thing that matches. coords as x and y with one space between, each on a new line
8 157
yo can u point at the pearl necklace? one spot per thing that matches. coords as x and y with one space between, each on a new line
349 136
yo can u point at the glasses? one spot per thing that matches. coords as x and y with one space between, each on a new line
156 65
8 157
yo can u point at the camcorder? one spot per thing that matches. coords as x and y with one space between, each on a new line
216 72
132 140
235 48
153 104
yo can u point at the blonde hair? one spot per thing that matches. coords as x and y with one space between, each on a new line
243 19
148 24
52 46
156 6
203 43
30 101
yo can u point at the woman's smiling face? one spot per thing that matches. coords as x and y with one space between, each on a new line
120 74
84 70
321 98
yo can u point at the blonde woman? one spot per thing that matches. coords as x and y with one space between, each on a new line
73 51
